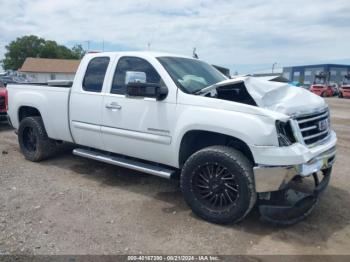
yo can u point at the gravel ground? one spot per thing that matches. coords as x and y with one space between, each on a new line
71 205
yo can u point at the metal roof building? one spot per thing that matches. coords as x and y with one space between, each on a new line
306 74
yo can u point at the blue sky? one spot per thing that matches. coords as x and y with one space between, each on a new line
246 36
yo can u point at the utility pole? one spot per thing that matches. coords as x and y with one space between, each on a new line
273 66
149 46
88 45
103 45
194 53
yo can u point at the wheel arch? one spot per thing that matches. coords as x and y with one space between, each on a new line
194 140
27 111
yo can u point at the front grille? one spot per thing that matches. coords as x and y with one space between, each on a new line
314 127
2 103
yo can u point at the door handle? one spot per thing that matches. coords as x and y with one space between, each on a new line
113 105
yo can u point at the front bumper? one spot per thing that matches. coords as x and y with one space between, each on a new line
300 160
286 193
295 201
318 92
346 94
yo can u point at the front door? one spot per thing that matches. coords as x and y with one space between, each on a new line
137 126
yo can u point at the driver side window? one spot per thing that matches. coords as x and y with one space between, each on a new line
135 64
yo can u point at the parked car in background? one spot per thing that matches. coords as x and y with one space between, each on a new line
12 80
235 142
344 90
7 80
298 84
321 85
3 103
295 83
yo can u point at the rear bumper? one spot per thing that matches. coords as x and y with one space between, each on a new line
272 177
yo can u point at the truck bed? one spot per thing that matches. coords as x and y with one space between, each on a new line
52 103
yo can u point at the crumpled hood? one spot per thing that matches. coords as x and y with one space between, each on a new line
277 96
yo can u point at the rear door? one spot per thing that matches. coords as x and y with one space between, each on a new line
86 103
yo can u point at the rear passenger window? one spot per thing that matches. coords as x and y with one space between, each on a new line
95 74
132 64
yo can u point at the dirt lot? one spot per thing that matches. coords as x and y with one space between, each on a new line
70 205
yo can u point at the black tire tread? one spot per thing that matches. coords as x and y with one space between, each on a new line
46 146
239 159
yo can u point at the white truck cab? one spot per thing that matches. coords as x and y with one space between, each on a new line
236 142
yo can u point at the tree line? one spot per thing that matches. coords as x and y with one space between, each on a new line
32 46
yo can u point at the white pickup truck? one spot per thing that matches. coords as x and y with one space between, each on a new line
235 142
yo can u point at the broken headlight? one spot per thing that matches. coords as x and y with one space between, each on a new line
284 133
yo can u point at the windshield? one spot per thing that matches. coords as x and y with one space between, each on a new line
191 75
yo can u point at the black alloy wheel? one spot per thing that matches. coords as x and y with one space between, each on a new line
34 141
217 182
30 139
215 186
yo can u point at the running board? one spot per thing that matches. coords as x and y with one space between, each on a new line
124 162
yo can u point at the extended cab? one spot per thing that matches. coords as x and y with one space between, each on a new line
235 142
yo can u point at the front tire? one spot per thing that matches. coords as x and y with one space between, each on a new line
33 140
340 95
218 184
324 94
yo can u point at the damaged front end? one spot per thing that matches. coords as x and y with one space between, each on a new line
295 201
299 191
290 174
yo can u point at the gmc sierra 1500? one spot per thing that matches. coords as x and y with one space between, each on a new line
237 142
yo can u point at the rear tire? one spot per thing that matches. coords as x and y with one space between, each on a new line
218 184
324 94
33 140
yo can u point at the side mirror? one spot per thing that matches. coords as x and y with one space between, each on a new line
135 77
151 90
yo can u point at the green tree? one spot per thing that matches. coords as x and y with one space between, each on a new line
78 51
32 46
20 49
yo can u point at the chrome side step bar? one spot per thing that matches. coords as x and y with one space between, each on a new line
123 162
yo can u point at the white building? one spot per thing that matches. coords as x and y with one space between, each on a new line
41 70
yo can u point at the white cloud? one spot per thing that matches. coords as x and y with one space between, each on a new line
230 33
